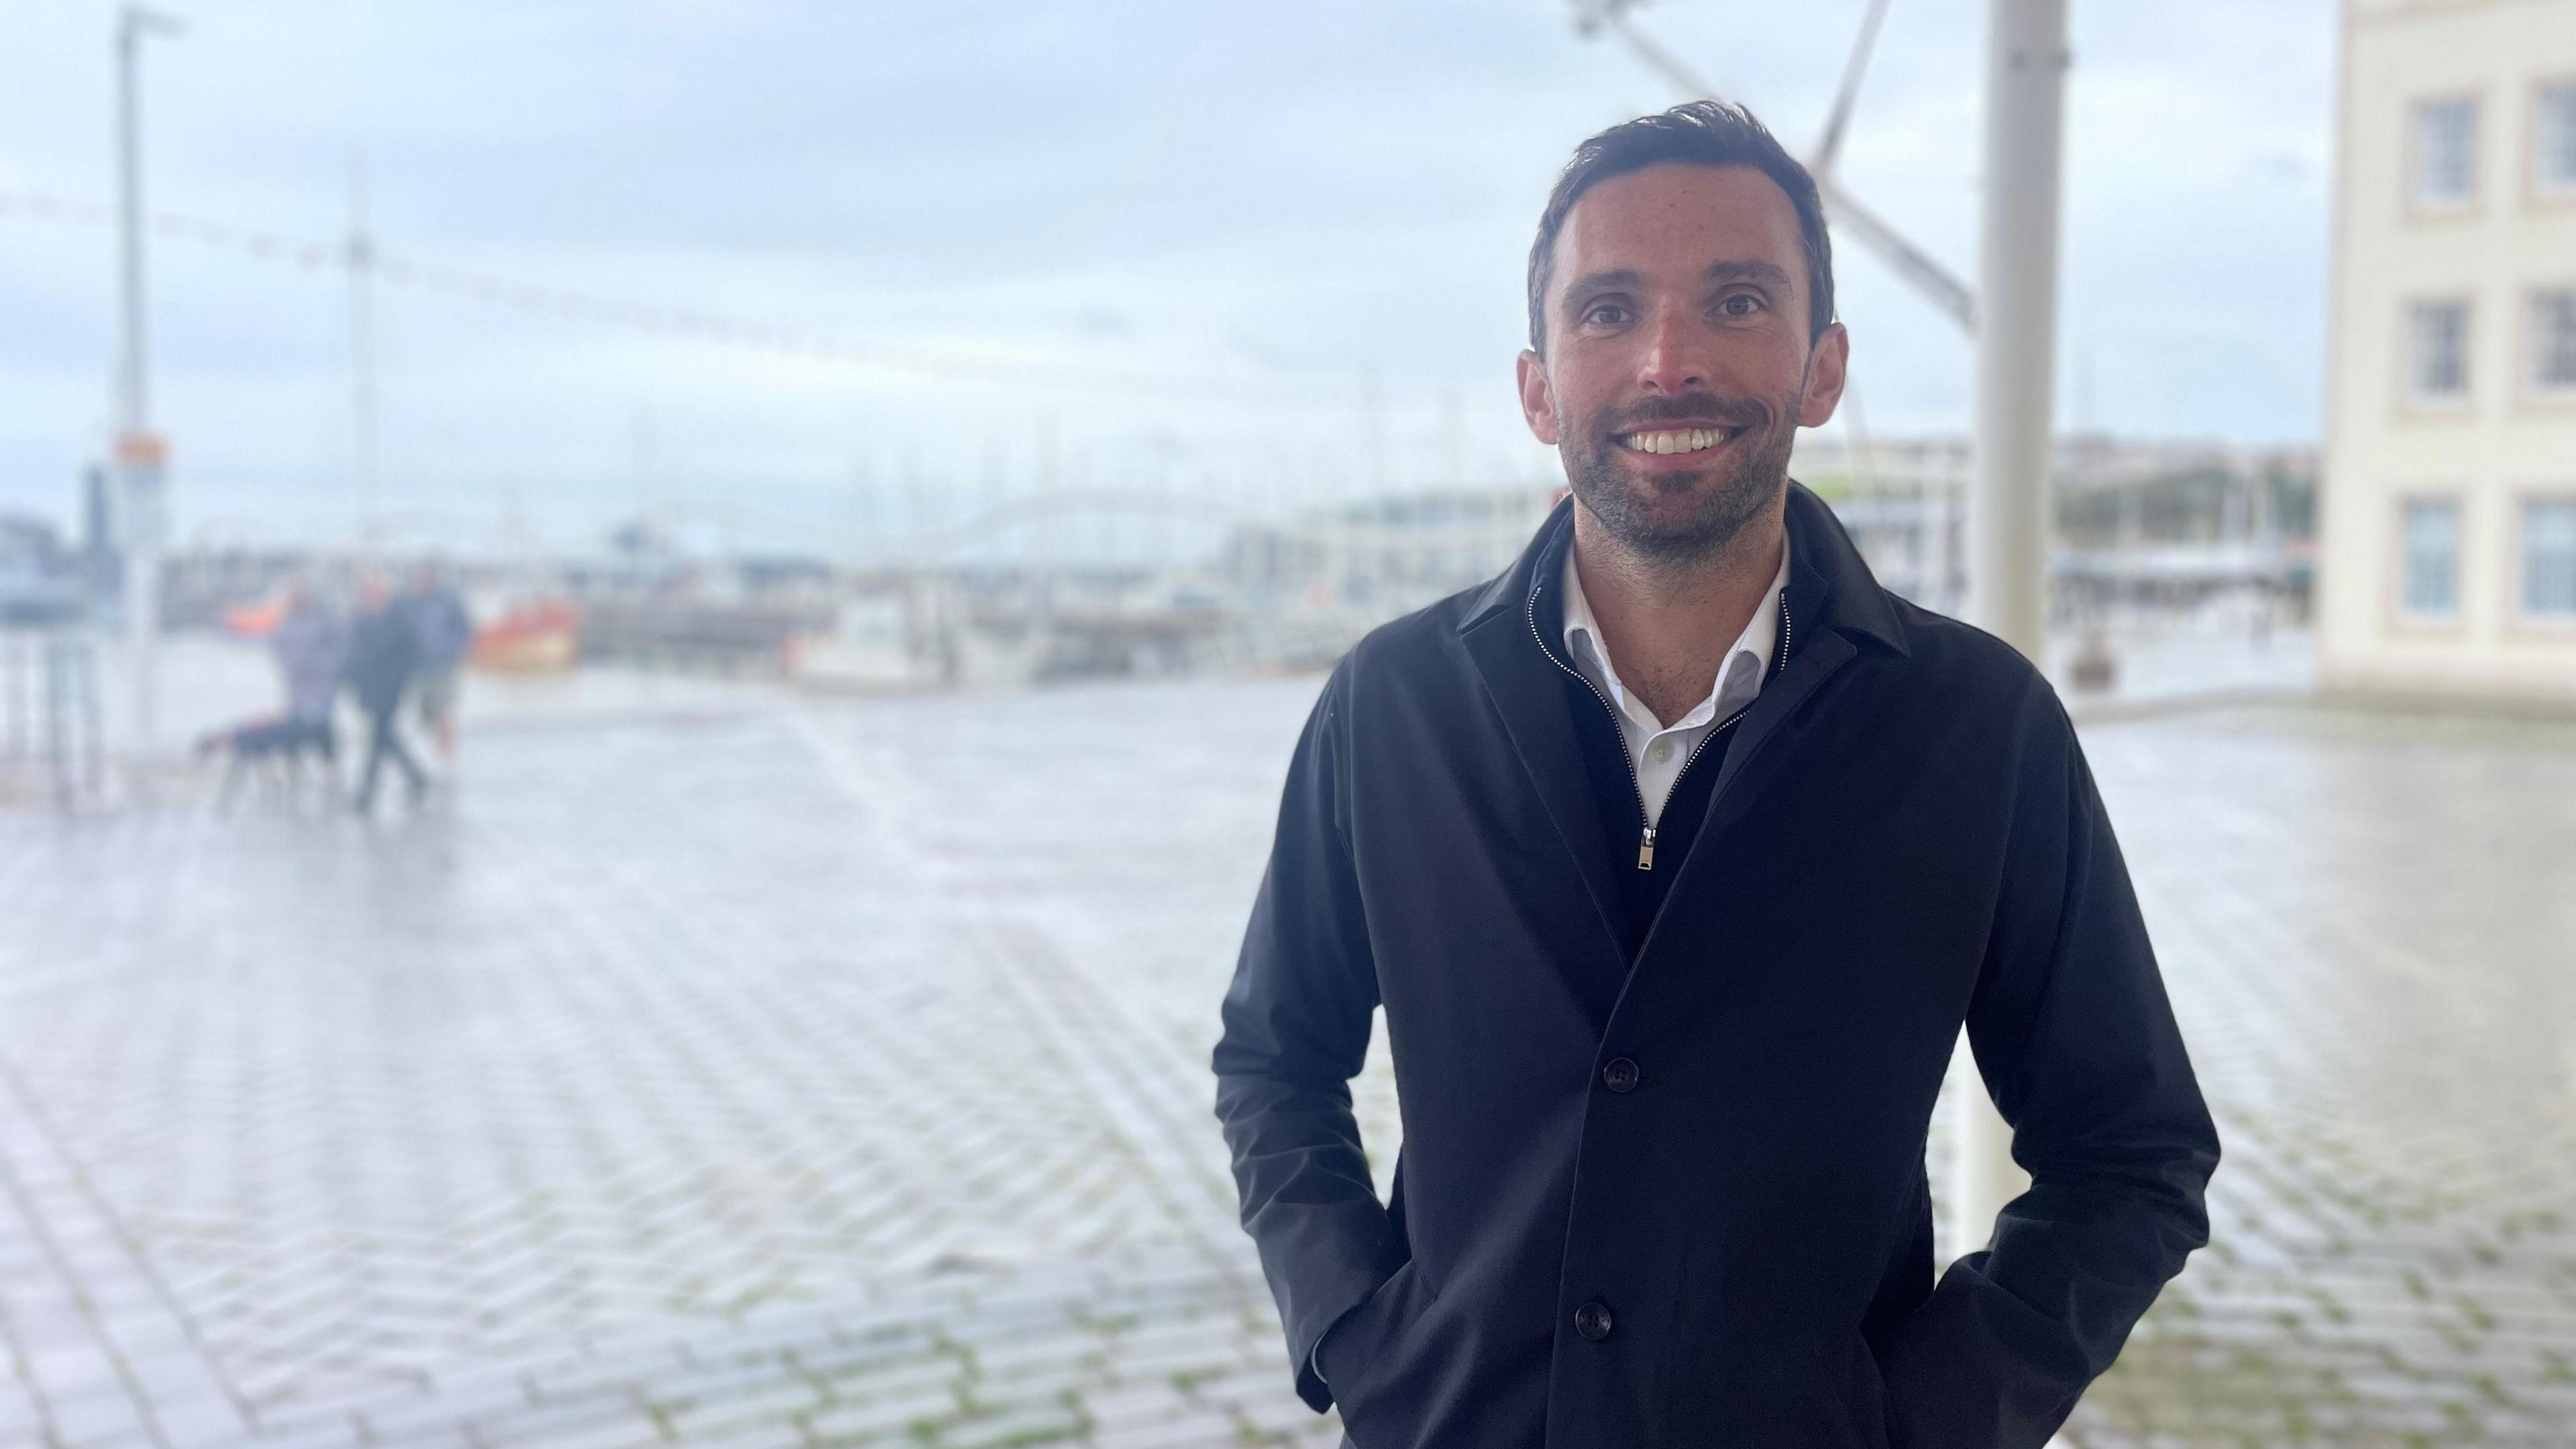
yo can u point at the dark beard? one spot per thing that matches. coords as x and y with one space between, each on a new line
1727 496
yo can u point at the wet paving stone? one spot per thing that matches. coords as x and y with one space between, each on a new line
835 1074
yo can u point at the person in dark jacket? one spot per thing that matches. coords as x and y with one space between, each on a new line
384 653
1678 856
442 632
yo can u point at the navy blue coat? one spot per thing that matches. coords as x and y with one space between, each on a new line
1680 1199
383 655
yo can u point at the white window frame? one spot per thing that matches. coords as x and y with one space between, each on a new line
2535 344
2411 352
2417 114
2407 612
2543 185
2523 613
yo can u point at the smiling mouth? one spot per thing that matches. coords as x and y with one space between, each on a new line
1663 441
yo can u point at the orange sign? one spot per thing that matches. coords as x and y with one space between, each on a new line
142 450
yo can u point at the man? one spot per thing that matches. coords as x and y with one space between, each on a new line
383 654
441 631
1677 856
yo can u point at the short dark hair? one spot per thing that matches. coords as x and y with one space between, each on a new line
1700 133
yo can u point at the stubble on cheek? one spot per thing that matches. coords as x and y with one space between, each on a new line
1679 514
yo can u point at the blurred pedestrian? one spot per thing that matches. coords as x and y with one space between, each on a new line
312 648
442 631
384 654
311 645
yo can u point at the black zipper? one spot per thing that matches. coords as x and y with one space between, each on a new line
1646 840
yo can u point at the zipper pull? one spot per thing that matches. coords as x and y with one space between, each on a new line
1646 849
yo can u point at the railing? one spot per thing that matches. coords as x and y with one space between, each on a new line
50 730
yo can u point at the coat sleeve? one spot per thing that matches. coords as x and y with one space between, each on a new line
1296 1030
2078 1047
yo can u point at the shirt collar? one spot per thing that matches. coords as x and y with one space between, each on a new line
1739 675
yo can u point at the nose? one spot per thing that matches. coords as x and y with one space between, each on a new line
1672 363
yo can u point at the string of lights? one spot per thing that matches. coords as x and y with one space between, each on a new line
690 324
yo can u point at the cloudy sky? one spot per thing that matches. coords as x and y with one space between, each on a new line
1231 251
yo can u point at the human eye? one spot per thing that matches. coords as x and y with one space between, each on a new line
1605 314
1739 304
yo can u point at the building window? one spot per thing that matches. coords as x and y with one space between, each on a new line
2446 152
2554 138
2553 341
2438 350
2549 558
2429 559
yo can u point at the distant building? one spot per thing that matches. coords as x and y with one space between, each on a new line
1386 555
2163 523
39 579
2448 554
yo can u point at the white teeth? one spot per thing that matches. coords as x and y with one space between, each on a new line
1689 441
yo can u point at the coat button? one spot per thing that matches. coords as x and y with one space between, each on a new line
1619 1075
1592 1321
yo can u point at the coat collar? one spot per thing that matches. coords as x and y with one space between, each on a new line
1839 591
1832 603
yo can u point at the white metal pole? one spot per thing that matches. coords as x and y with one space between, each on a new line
2026 62
361 260
139 455
2016 355
130 377
142 547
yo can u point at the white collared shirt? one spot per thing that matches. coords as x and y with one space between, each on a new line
1659 750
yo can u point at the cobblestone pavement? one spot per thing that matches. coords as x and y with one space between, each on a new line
835 1074
2368 924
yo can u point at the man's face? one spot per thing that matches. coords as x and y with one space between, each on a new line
1679 366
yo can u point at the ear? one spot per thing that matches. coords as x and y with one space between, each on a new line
1827 365
1538 400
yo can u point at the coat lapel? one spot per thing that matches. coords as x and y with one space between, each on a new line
1831 598
1528 692
1745 759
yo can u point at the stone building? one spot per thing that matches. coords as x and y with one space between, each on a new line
2448 542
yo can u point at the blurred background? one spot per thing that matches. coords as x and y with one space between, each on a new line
646 654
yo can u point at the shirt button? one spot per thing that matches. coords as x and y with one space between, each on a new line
1619 1074
1592 1321
1662 751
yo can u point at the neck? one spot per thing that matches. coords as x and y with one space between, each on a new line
1667 623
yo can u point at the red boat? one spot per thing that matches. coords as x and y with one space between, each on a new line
540 636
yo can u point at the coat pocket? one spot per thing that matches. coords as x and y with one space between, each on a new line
1360 1347
1850 1377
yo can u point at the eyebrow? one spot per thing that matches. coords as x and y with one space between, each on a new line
1611 281
1754 270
